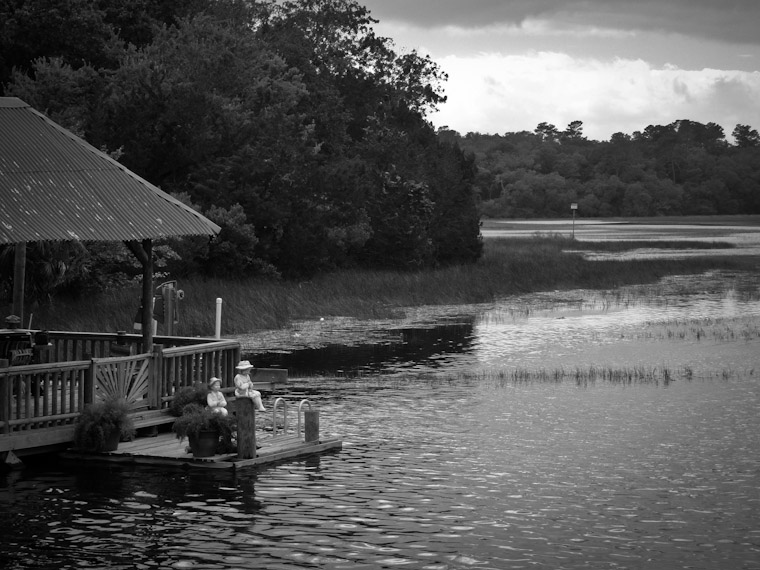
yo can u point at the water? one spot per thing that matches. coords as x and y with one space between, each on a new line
448 464
555 330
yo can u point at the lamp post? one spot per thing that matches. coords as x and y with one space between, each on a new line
573 207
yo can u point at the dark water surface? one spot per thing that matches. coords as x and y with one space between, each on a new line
445 470
434 475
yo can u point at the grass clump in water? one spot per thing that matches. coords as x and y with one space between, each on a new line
626 376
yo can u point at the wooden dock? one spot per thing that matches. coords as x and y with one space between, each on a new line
166 450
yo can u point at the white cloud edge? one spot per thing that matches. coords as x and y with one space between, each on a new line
494 93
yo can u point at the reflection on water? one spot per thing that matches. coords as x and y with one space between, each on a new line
442 470
680 322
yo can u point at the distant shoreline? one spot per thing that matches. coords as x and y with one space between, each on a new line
735 221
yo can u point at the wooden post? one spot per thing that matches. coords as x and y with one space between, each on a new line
19 272
89 383
147 294
168 294
144 253
5 396
246 428
311 425
155 377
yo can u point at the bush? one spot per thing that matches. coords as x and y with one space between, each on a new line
98 420
188 395
196 418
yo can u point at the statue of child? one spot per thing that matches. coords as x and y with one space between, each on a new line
244 386
215 398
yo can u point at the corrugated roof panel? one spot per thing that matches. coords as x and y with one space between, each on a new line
55 186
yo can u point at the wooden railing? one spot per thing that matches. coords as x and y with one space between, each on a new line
39 403
187 365
65 346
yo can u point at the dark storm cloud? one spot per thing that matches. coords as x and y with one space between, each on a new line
728 20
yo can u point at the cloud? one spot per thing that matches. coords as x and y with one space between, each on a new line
728 20
494 93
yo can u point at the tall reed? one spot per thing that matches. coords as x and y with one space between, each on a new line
508 266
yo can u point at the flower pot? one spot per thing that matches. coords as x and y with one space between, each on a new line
112 440
203 444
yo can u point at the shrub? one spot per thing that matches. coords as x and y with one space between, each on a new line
196 418
188 395
99 419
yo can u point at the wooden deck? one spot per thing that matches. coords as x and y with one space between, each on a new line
41 400
166 450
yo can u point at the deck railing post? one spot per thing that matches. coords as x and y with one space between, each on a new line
89 383
246 428
155 378
5 396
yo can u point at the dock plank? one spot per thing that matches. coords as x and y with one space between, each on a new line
166 449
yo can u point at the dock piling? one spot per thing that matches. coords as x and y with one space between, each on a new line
246 428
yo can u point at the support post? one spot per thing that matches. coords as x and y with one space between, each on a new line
5 396
144 253
169 296
246 428
311 425
19 272
156 378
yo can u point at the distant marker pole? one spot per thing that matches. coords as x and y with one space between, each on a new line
573 207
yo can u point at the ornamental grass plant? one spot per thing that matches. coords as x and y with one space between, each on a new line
98 421
196 419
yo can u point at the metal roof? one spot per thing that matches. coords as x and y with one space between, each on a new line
55 186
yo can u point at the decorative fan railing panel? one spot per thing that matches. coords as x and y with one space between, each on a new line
126 377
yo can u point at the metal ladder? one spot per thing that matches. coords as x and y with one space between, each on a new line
299 425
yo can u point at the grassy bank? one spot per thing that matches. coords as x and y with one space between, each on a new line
507 267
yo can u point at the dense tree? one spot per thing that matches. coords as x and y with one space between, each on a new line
681 168
745 136
291 124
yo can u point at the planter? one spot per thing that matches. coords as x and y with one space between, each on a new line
203 443
112 440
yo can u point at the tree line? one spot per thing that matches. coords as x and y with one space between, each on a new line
683 168
291 124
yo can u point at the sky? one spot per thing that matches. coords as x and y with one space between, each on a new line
615 65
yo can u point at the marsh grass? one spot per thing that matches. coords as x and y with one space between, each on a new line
506 378
654 375
714 329
507 267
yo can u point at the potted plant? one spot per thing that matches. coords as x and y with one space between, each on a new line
208 433
188 395
103 424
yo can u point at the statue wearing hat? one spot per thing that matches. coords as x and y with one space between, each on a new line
215 398
244 385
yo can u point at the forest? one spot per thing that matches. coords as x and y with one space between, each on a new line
292 125
683 168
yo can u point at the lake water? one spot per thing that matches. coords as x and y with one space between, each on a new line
572 429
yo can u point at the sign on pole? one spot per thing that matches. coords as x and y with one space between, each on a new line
573 207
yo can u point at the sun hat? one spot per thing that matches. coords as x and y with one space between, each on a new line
213 381
244 365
